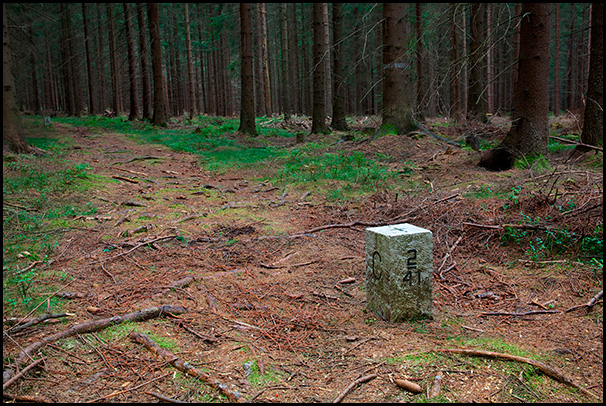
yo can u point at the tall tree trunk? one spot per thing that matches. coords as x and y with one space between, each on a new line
49 95
159 117
100 61
490 38
247 104
66 56
338 106
556 63
89 67
477 71
260 109
35 86
593 121
113 58
455 79
293 57
529 132
327 57
132 65
265 61
571 58
143 50
13 135
285 65
420 78
318 125
397 110
74 66
190 65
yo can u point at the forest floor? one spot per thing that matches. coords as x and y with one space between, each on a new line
272 278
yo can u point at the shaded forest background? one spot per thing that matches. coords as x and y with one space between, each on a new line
74 58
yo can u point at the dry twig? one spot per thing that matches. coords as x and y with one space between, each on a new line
185 367
547 370
353 385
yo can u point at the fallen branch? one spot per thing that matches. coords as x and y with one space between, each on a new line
116 393
20 374
18 327
91 326
547 370
26 398
520 314
576 143
353 385
589 304
185 367
134 248
125 179
165 398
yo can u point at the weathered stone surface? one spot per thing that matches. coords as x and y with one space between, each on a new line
399 271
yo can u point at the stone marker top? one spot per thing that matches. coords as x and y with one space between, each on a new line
398 229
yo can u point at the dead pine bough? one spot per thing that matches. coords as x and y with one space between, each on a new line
547 370
185 367
89 327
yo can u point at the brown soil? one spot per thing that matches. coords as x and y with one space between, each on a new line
269 291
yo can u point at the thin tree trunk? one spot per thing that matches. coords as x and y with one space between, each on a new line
113 58
100 61
260 109
420 77
455 105
285 65
74 67
143 51
65 53
318 125
293 57
571 57
89 69
132 65
159 117
490 38
36 89
190 65
593 121
556 63
477 30
247 104
265 60
338 106
327 57
13 135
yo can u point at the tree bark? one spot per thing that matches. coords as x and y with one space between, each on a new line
35 87
89 69
339 86
318 125
477 72
100 61
293 56
132 65
455 79
287 104
593 121
397 110
113 58
419 51
190 65
159 117
143 50
13 135
66 56
247 104
265 60
529 131
556 62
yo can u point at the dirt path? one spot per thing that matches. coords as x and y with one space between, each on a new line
267 312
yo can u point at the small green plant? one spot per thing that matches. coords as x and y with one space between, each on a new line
537 163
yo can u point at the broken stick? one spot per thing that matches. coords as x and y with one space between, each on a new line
547 370
185 367
353 385
92 326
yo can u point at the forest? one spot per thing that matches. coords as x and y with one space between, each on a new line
187 190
